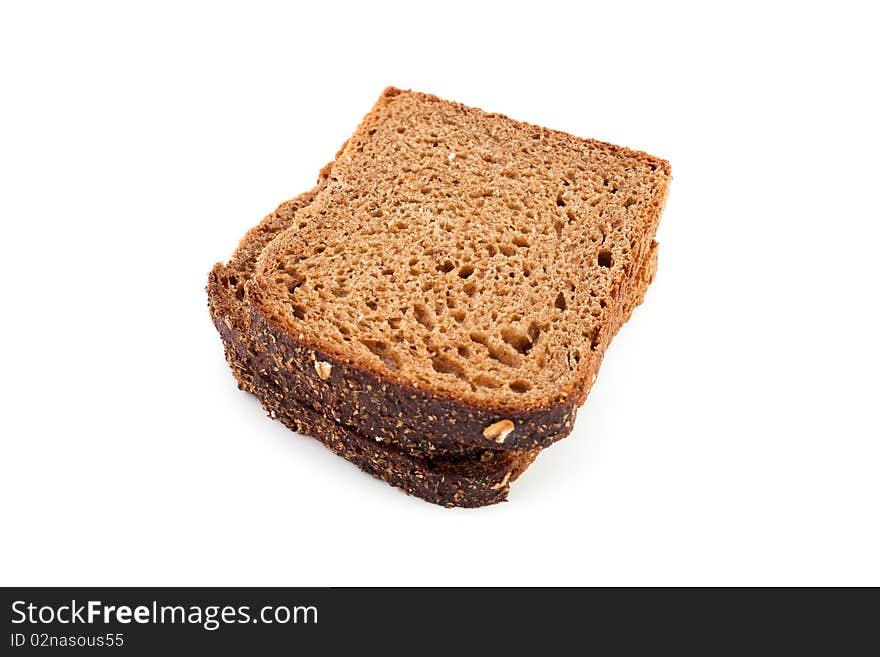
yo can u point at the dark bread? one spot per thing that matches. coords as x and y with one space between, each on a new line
416 438
358 296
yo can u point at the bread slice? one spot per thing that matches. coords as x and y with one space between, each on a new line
458 277
464 477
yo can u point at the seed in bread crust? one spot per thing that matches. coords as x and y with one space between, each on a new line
501 483
323 369
498 431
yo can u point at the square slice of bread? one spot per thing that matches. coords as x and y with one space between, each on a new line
459 275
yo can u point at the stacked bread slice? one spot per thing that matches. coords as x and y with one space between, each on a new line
436 308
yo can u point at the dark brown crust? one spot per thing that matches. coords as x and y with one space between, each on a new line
383 407
447 481
391 411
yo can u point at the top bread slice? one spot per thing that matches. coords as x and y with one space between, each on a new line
460 274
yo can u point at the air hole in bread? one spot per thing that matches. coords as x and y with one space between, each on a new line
446 365
604 258
516 339
534 332
384 352
486 381
423 316
294 284
520 386
479 338
503 355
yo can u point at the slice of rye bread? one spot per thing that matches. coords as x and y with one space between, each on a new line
470 477
459 276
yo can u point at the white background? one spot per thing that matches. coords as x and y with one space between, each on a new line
732 435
